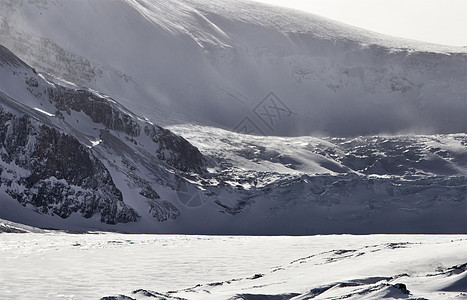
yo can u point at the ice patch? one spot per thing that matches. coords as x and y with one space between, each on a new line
44 112
95 143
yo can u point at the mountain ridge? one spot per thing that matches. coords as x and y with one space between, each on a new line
352 175
54 166
151 180
198 56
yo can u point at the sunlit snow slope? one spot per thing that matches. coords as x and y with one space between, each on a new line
215 61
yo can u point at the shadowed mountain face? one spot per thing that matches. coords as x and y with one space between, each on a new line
60 146
215 62
72 158
80 148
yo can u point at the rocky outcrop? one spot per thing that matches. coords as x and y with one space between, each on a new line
170 148
175 150
52 165
163 210
100 110
54 173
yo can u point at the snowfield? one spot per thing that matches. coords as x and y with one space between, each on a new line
58 265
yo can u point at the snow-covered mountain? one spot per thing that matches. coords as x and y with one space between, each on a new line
73 158
64 151
213 62
82 149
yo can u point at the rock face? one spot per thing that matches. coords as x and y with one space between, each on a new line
172 149
182 155
97 108
60 176
61 163
69 151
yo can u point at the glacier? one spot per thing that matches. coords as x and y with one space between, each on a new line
359 132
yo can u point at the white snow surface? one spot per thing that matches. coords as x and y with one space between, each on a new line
213 62
57 265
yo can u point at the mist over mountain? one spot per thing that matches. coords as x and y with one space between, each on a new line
214 62
165 117
198 149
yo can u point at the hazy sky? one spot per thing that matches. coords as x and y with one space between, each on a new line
436 21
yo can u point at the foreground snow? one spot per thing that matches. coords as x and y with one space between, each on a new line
56 265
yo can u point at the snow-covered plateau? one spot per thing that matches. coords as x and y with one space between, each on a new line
41 264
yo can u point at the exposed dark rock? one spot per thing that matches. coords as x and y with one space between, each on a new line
256 276
155 295
119 297
175 150
402 287
170 148
31 81
9 229
100 110
149 193
63 177
163 210
266 297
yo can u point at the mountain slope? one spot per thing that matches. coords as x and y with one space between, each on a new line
62 147
80 151
309 185
214 62
75 159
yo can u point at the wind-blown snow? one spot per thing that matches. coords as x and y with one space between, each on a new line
213 62
243 184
